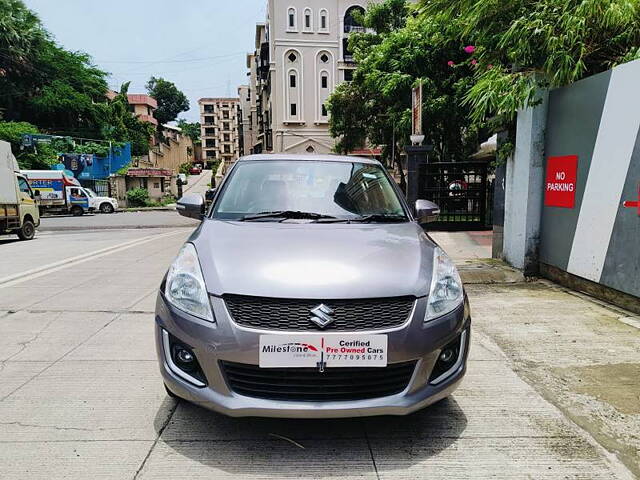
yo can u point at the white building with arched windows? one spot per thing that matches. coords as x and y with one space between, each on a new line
301 54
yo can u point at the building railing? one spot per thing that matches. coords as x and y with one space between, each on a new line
354 29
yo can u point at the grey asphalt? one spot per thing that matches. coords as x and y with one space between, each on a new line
198 184
81 396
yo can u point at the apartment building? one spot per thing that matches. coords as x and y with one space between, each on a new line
141 105
219 119
245 140
301 54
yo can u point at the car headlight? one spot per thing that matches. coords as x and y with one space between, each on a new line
446 291
185 288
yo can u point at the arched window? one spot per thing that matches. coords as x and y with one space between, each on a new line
351 24
292 86
292 20
324 21
324 84
307 26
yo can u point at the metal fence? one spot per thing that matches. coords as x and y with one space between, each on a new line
101 187
462 190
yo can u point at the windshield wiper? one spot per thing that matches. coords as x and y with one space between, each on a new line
285 214
380 218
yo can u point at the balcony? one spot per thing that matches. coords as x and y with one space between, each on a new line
148 118
354 29
263 66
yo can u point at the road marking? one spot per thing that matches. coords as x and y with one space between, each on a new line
22 277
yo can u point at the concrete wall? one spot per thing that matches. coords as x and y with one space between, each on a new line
597 119
523 189
591 128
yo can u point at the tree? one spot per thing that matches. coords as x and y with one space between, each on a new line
191 130
119 125
171 101
376 105
41 82
524 45
20 35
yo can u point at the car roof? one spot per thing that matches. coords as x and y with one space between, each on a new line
307 157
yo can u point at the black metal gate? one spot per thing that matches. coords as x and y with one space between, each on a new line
462 190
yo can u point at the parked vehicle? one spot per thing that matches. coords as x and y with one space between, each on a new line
101 204
18 205
61 193
342 307
195 170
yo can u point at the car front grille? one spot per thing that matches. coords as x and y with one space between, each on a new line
293 314
308 384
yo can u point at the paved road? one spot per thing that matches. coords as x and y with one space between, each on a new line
198 183
81 396
119 220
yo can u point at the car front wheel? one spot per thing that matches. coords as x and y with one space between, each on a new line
106 208
28 231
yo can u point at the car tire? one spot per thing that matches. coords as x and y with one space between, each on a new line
106 208
170 393
28 231
77 211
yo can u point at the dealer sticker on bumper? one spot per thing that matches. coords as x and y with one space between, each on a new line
323 351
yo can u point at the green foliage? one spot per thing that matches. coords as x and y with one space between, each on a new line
120 126
376 105
387 16
191 130
164 201
124 170
184 168
61 92
138 197
171 101
12 132
40 81
41 157
523 45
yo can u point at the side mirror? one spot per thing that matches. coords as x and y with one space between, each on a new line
191 205
426 211
36 195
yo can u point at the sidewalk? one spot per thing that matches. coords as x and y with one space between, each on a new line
581 354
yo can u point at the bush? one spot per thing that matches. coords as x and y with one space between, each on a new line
184 168
138 197
12 131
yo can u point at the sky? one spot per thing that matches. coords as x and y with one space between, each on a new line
200 45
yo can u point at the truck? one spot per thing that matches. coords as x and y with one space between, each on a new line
19 212
63 193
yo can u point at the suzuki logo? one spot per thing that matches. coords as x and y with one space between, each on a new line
322 316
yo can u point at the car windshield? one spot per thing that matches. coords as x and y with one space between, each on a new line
308 189
91 192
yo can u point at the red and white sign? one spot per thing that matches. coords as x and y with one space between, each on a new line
300 350
560 183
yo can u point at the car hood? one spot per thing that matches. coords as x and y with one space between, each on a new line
313 260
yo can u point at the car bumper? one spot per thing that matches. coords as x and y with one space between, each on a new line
226 341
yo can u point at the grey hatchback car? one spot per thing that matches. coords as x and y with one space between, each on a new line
310 290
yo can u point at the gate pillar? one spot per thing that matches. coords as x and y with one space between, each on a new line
416 156
524 187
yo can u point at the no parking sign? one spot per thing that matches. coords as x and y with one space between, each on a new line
560 184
